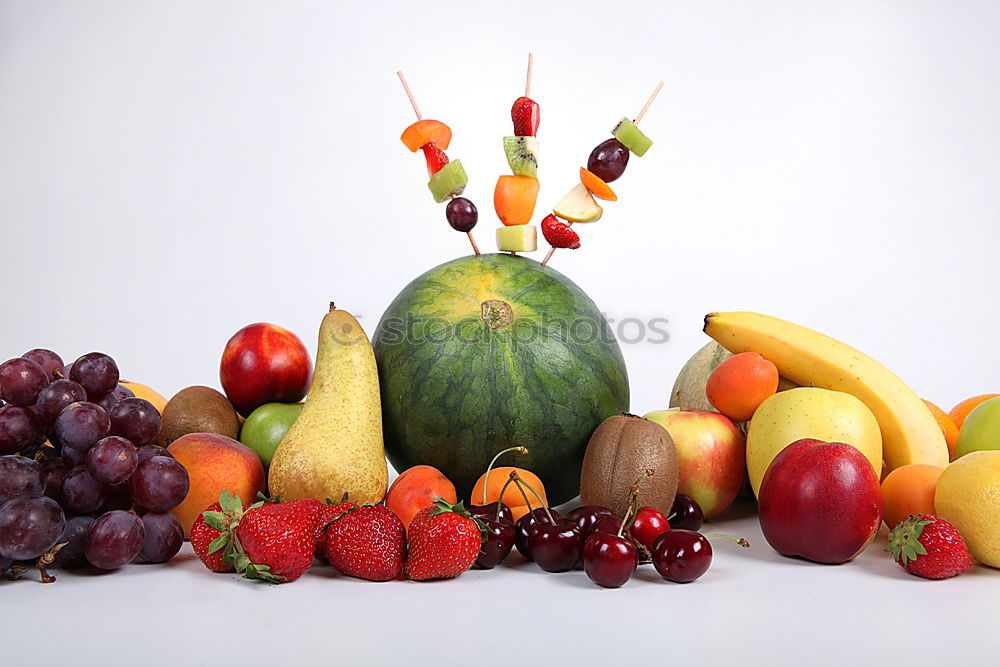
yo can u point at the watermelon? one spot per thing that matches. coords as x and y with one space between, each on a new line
490 351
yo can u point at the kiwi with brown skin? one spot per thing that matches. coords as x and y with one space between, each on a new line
620 451
198 410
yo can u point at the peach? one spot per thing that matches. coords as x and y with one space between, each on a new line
215 464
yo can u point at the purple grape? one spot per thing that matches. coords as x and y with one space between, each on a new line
19 428
19 476
74 535
164 537
96 371
54 472
21 380
462 214
136 419
29 526
147 452
47 359
114 540
73 457
112 460
159 484
608 160
111 399
81 424
119 498
56 396
82 493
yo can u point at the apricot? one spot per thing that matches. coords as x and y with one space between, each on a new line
514 199
416 488
596 186
740 384
909 490
512 498
425 132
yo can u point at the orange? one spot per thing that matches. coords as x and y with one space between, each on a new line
962 410
909 490
596 186
947 425
512 498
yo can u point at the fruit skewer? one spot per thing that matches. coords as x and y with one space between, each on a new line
515 195
448 178
606 163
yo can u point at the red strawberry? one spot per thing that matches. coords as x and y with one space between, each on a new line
277 541
326 514
525 114
368 542
211 534
558 234
444 542
435 158
929 547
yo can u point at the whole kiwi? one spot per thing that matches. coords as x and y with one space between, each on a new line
620 451
198 410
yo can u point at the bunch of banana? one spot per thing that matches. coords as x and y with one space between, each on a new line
909 432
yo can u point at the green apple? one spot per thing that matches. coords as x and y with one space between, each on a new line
981 429
266 426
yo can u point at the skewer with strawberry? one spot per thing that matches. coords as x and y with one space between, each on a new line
606 164
515 195
447 177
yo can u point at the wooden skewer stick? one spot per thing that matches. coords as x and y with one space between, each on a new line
645 108
420 116
649 103
527 80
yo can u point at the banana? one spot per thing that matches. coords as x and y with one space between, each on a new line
909 432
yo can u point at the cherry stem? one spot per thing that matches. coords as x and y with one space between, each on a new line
503 490
540 501
742 541
486 477
517 482
633 501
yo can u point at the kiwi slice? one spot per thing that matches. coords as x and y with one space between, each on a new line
522 155
449 180
631 137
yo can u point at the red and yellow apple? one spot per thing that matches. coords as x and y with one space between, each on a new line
264 363
711 456
821 501
215 464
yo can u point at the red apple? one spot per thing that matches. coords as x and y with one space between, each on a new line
711 456
264 363
821 501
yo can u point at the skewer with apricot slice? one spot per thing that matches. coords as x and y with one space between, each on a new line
515 195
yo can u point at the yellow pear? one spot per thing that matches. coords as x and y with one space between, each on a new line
810 412
335 445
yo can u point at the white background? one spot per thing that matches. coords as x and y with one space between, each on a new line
170 172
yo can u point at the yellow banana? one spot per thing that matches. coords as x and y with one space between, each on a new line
909 432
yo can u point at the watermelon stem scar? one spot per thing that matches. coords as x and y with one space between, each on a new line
496 314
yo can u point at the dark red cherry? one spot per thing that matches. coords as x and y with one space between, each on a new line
523 527
497 543
648 524
609 560
686 513
681 555
489 511
586 517
555 547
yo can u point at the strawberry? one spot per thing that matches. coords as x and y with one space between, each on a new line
368 542
326 514
929 547
276 541
558 234
211 534
525 114
435 158
444 542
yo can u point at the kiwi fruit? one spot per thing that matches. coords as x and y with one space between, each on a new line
449 180
522 155
620 451
631 137
198 410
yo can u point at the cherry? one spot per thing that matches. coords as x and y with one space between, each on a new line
681 555
607 524
522 529
497 542
586 517
555 546
489 511
609 560
686 513
648 524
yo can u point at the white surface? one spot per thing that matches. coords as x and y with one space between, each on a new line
172 172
